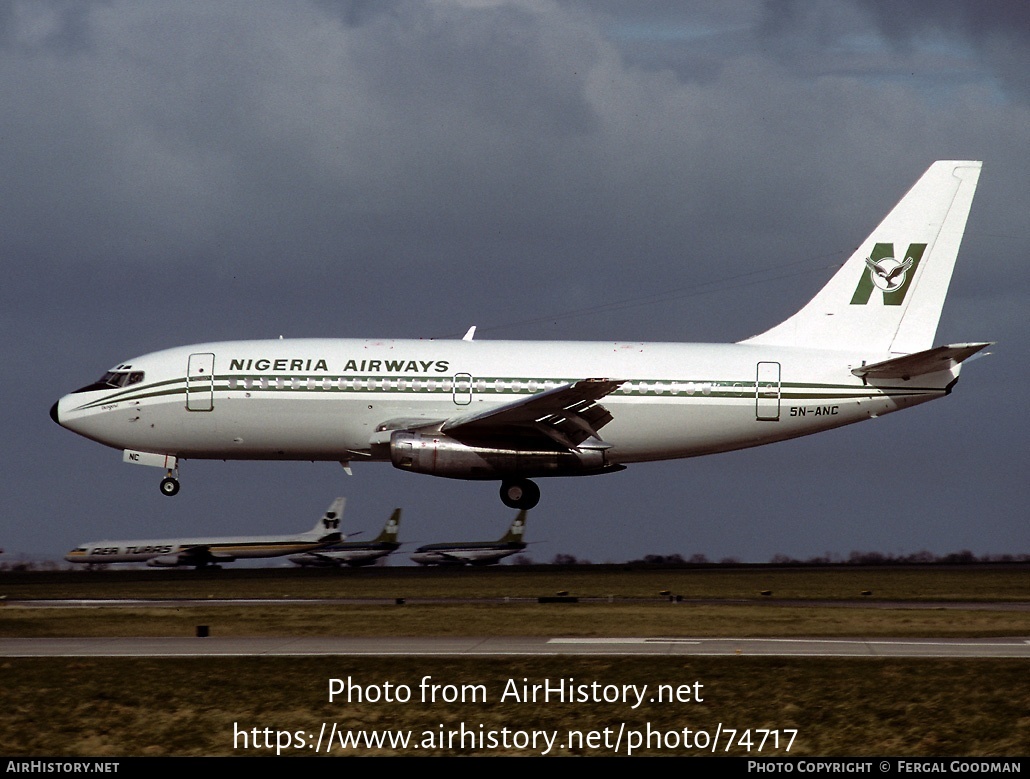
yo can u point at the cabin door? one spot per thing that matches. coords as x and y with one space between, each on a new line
767 392
200 382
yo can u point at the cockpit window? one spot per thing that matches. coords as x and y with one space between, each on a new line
114 380
121 378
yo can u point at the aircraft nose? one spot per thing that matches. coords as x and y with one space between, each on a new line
53 413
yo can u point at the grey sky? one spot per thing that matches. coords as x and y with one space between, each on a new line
176 172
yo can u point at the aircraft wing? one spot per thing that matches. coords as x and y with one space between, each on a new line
569 415
203 554
451 557
326 558
193 555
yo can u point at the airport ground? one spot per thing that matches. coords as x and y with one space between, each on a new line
100 706
996 582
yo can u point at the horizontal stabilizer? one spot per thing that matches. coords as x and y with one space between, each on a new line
942 358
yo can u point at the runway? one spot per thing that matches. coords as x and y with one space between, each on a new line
514 646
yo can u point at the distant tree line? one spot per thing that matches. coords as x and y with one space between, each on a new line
915 558
854 558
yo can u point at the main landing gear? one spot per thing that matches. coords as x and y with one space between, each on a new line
519 494
170 483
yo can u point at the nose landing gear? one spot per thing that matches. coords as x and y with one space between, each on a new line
519 494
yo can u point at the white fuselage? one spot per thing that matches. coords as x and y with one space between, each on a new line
322 399
465 554
172 552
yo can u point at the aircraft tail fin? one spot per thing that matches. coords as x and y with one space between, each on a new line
389 532
514 534
888 296
329 523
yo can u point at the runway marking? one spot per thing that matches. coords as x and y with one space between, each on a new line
858 642
630 640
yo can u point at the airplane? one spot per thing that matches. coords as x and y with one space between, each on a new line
475 552
517 410
355 553
200 552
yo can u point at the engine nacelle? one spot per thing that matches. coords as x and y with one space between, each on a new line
164 561
440 455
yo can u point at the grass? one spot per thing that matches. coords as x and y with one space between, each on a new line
474 619
919 583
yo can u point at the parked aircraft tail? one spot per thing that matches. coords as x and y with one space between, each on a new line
514 534
330 521
388 534
887 298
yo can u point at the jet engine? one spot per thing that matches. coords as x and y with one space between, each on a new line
440 455
165 561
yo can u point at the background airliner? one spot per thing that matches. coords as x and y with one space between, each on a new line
355 553
200 552
512 410
475 552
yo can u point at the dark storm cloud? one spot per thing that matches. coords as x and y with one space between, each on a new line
342 126
953 40
65 31
173 130
999 32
